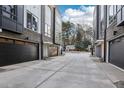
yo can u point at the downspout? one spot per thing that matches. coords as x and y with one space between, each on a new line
105 32
41 36
54 25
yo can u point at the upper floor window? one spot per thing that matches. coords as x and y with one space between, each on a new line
119 14
112 13
9 11
102 12
32 22
48 18
115 9
47 30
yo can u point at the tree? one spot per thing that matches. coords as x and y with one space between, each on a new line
68 32
76 34
81 40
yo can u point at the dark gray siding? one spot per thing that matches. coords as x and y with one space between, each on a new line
20 18
10 24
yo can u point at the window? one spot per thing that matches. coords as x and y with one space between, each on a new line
32 22
47 30
119 14
29 21
112 13
102 12
9 11
58 28
34 26
48 21
115 9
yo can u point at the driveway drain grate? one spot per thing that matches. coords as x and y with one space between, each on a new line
119 84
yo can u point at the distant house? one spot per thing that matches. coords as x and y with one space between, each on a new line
70 47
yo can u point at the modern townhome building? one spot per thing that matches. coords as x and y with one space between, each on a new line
19 33
98 29
32 28
28 32
47 29
113 33
57 33
51 30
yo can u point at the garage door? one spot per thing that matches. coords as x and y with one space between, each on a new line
98 51
53 51
116 55
11 53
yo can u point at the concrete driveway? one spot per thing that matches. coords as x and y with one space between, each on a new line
73 70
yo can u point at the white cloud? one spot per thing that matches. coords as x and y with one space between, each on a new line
83 15
73 13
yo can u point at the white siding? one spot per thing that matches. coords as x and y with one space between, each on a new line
36 11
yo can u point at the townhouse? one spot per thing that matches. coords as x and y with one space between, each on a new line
47 28
98 29
57 33
26 32
52 31
19 34
113 33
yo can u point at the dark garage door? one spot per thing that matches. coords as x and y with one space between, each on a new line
16 53
116 55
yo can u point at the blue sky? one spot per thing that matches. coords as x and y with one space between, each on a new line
82 14
62 8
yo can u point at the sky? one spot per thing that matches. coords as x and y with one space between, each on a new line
79 14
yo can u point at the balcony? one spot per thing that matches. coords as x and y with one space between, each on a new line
120 17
